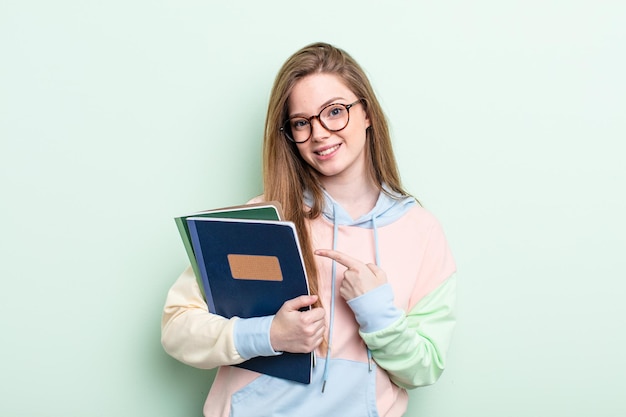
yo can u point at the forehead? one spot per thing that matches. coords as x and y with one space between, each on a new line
314 91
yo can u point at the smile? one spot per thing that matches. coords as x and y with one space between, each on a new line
328 151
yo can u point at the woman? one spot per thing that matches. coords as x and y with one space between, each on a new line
381 273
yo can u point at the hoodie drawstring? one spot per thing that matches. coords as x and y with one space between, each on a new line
377 257
332 301
332 294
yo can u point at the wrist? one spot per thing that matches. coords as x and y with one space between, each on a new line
375 309
252 337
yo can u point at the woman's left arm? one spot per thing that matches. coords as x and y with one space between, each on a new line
412 348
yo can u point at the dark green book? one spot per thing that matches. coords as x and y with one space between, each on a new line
270 210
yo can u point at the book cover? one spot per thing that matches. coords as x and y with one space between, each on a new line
249 268
270 210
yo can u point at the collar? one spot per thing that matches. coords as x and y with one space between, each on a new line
388 208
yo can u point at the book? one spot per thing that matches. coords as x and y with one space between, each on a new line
249 268
271 210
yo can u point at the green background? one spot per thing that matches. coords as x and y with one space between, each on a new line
508 119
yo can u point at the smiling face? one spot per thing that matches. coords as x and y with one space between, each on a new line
334 155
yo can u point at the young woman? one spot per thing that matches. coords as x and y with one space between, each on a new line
381 273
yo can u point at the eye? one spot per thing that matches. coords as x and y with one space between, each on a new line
298 124
335 111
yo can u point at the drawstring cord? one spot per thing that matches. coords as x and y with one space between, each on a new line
332 301
375 227
332 296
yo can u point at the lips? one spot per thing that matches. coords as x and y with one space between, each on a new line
327 151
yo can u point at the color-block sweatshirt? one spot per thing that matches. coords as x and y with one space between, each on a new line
390 339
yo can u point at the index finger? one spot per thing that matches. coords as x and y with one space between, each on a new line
342 258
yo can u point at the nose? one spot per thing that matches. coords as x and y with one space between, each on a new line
318 131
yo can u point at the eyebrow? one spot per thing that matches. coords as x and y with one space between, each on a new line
324 104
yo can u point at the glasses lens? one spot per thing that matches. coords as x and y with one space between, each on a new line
335 117
298 129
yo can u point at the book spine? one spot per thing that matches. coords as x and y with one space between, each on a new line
183 230
193 232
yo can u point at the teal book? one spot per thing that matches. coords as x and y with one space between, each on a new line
249 268
270 210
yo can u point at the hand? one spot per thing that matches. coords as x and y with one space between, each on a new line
359 278
298 331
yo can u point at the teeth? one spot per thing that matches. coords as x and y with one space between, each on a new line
328 151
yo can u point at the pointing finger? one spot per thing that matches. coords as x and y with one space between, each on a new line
342 258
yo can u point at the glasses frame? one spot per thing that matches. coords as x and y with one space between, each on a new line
310 120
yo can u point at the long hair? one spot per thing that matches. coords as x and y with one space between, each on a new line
285 174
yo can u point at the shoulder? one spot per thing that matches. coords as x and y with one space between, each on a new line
421 216
419 223
257 199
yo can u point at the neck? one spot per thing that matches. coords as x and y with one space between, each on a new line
356 197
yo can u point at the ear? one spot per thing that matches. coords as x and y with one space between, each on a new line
366 110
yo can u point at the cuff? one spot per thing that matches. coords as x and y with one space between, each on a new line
252 337
375 310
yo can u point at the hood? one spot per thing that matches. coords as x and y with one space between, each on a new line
389 207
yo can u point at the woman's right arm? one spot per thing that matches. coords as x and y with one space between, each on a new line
190 333
198 338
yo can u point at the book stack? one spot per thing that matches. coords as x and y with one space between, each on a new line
248 262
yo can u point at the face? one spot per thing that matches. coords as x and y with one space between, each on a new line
335 155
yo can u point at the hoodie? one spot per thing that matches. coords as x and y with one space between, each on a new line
393 338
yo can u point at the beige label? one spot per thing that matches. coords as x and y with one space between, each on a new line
255 267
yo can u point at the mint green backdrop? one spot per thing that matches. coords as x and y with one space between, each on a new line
508 121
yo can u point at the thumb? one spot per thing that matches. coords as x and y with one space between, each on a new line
300 302
374 268
379 274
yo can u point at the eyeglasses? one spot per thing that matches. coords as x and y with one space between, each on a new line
334 117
